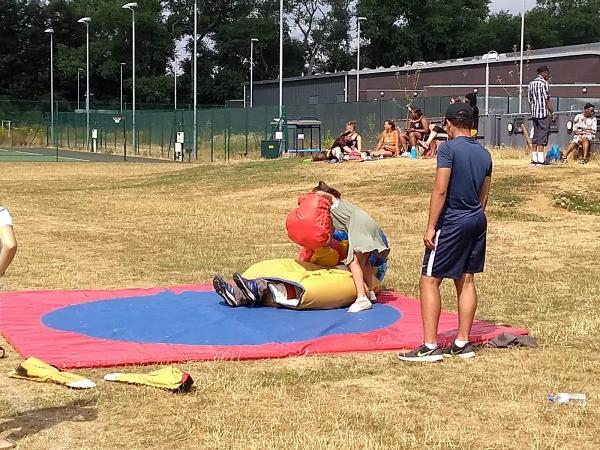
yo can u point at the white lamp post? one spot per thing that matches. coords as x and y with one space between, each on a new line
195 133
494 56
50 31
252 41
280 59
131 7
175 88
358 21
121 108
78 90
521 62
86 21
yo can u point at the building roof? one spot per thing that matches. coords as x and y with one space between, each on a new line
544 53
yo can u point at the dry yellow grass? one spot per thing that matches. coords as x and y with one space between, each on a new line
104 226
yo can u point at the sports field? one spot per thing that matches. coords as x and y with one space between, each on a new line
53 155
141 225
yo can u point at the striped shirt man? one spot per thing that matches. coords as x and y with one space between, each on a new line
539 93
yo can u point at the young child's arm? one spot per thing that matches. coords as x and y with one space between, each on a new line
8 247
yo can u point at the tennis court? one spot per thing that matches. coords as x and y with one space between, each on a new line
53 155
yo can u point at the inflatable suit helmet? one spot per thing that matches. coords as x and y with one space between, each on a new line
309 225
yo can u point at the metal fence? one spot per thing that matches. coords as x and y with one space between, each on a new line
226 133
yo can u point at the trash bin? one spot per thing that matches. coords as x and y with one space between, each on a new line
269 149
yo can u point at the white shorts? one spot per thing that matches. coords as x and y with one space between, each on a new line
578 138
5 218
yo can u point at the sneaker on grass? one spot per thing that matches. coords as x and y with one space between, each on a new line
465 352
422 354
232 295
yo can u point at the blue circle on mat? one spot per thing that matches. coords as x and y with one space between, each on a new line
201 318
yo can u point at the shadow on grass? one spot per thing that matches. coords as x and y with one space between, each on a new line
36 420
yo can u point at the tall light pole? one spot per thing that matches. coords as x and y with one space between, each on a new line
78 89
175 91
121 107
358 21
50 31
489 55
280 59
131 7
521 62
252 41
195 133
86 21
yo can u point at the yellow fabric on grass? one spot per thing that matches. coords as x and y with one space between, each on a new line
35 369
170 378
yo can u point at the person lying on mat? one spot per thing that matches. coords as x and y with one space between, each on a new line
364 239
244 291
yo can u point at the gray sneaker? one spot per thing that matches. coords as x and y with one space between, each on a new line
232 295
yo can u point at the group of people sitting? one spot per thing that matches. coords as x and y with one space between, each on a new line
419 136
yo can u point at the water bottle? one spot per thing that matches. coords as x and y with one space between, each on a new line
562 398
413 152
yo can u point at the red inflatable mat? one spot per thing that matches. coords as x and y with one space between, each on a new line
393 324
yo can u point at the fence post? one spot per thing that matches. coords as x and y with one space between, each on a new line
212 136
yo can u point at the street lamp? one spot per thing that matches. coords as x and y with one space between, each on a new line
195 133
86 21
358 21
493 55
521 61
175 87
280 59
50 31
121 107
78 89
252 41
131 7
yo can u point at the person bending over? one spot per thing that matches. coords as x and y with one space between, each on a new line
388 144
585 127
364 240
455 238
342 145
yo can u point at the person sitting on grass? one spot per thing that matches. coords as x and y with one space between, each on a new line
341 146
585 127
416 128
8 249
435 130
388 144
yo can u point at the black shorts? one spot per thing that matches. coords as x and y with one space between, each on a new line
460 248
541 131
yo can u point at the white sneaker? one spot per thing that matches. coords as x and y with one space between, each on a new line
360 304
372 297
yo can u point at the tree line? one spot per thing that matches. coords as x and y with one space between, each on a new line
319 37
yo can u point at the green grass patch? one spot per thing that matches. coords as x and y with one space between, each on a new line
577 202
509 192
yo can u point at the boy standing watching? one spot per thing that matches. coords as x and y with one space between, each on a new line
542 113
455 238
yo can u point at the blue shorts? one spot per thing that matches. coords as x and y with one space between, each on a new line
460 249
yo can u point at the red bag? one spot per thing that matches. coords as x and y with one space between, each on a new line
309 225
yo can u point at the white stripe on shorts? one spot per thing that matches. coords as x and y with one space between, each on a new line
432 254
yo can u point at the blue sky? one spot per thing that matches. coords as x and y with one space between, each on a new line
511 5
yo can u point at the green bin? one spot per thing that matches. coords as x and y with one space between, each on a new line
269 149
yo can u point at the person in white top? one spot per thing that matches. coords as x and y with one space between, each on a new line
8 242
8 248
585 127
